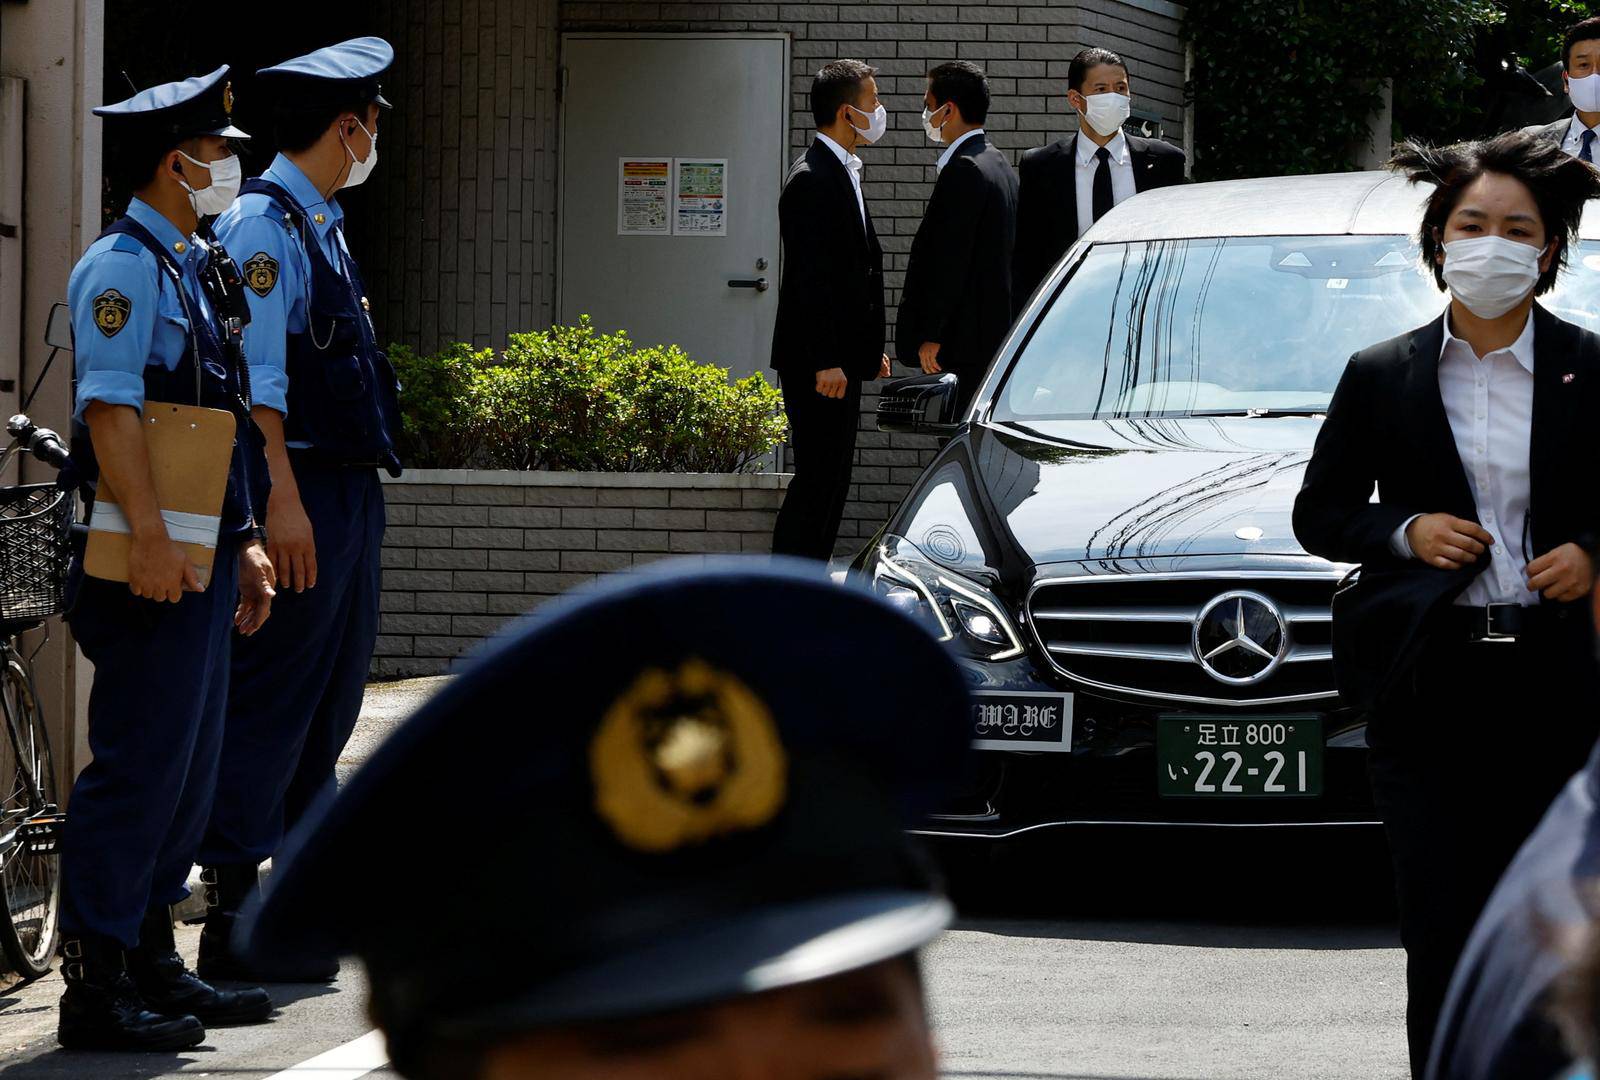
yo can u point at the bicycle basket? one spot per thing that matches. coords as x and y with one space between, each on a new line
35 548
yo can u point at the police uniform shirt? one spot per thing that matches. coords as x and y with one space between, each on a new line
277 271
126 311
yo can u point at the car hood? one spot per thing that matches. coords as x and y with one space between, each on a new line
1088 490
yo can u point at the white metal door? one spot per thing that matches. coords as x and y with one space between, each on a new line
695 125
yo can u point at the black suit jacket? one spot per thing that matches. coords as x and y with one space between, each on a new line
1047 204
958 280
1386 425
830 303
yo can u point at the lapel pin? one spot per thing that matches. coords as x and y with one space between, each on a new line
1568 377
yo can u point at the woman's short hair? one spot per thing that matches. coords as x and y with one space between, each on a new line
1559 182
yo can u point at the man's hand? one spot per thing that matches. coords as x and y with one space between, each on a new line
158 569
883 368
832 383
1446 541
929 355
291 546
1565 573
255 588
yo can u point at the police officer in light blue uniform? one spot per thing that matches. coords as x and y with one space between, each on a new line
155 311
326 400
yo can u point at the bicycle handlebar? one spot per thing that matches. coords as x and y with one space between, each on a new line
41 442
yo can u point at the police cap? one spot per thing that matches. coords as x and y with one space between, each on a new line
332 76
677 786
202 105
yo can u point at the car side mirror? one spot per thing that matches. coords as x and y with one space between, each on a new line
920 405
58 330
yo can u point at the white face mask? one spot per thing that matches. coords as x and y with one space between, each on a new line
934 130
1585 93
360 170
1490 274
877 123
1107 112
226 175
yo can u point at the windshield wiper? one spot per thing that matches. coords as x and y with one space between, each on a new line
1306 410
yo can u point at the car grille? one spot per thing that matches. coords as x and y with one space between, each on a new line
1135 634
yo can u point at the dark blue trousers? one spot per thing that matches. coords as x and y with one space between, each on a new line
156 710
297 682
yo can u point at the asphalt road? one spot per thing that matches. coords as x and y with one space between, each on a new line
1095 956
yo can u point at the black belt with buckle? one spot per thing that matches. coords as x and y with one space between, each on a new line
1494 622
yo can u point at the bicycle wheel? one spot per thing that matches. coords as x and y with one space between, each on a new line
30 863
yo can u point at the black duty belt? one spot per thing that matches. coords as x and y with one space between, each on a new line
1498 622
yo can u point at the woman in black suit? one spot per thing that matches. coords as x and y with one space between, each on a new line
1465 637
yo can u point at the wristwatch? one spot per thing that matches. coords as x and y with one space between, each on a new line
259 532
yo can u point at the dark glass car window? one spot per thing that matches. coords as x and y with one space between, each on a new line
1179 327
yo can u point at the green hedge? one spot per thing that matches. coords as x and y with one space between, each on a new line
1288 86
573 398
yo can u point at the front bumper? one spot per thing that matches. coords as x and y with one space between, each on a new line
1109 777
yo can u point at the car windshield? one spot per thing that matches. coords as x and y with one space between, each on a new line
1229 326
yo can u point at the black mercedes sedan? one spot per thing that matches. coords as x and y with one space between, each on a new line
1105 538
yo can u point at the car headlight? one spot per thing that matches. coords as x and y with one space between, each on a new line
957 609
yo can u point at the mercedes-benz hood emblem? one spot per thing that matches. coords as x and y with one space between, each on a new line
1240 638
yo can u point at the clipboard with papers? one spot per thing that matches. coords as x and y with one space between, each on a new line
190 450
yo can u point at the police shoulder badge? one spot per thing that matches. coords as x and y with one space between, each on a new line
111 311
683 756
261 273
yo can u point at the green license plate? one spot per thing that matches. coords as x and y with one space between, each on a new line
1232 757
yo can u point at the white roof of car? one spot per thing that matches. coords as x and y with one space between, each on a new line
1363 203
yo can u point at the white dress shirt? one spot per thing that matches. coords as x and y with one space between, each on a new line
852 165
944 158
1122 185
1573 142
1489 403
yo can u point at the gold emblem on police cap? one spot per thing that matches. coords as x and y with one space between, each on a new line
111 311
227 97
683 756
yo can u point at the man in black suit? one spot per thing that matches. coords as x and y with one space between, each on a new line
955 307
829 333
1465 638
1069 185
1580 76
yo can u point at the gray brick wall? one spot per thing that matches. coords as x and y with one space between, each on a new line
465 554
466 248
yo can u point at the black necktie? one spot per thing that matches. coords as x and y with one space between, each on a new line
1103 202
1587 153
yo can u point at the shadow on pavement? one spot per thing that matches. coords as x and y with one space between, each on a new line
1218 888
61 1064
284 994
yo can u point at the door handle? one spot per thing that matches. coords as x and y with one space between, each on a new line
759 284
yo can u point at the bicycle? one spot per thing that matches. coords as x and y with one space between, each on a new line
36 523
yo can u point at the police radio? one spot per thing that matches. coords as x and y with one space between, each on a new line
224 287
